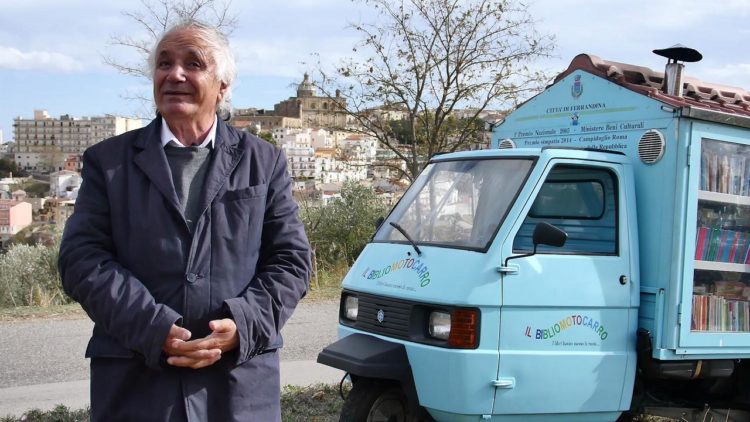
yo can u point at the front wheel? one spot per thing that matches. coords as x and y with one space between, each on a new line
378 401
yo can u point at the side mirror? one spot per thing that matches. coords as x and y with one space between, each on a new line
544 234
547 234
379 222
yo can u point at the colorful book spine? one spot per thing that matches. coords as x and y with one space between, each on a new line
721 245
742 248
716 313
700 242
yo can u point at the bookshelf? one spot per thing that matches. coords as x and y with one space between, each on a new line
721 277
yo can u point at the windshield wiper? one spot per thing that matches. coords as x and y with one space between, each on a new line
406 235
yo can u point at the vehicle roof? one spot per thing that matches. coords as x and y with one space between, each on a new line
640 79
546 152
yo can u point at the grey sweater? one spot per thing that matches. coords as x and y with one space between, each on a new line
188 167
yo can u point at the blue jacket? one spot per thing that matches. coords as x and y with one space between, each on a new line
128 257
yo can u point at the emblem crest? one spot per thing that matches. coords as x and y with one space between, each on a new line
577 89
381 316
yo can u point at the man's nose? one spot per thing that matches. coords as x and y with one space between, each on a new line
176 73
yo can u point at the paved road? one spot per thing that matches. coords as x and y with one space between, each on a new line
48 363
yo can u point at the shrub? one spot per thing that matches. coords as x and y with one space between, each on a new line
29 277
339 231
60 413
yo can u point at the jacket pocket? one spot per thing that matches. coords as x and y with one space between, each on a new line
245 193
107 347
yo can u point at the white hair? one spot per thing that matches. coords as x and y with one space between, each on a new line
217 47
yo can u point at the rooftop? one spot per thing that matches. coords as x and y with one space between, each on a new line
696 93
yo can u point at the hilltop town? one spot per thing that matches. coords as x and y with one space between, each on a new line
325 148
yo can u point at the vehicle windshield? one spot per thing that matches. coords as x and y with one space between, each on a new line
456 203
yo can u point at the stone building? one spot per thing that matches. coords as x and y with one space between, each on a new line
305 110
258 120
313 110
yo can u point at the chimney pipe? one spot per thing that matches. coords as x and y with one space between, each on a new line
673 79
672 84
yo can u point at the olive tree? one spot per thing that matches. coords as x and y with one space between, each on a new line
340 230
438 65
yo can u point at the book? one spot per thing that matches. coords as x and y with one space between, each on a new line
704 181
713 244
742 246
713 175
722 246
736 172
724 174
734 242
712 312
700 242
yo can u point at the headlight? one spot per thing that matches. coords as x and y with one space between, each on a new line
460 327
440 325
351 307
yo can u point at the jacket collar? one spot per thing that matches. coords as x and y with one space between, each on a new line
227 154
153 162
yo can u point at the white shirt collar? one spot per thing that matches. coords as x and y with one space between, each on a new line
167 137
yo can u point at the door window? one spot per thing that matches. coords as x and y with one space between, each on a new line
582 201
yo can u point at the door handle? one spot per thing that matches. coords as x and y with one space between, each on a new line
504 382
508 269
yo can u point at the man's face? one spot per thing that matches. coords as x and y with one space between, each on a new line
185 85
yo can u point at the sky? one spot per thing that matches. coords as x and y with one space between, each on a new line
51 51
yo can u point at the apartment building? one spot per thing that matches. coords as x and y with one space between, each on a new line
44 144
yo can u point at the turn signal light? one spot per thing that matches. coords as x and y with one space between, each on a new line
464 329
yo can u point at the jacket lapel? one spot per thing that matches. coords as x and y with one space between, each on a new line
153 162
226 156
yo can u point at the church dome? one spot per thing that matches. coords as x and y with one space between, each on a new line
306 88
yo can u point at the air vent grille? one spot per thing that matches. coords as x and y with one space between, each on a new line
506 144
651 146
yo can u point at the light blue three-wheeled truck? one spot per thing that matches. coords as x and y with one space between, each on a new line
594 260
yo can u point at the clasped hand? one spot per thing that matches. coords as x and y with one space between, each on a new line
202 352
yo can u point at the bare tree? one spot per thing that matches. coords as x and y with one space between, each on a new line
153 18
424 60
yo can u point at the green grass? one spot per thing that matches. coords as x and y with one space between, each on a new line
20 313
326 283
315 403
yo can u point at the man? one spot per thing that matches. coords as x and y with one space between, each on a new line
186 251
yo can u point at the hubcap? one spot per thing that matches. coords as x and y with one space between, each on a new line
387 408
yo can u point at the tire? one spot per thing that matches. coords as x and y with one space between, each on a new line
373 400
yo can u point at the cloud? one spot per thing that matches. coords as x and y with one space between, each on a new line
735 74
11 58
288 57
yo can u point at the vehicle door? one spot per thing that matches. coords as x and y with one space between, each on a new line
568 316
